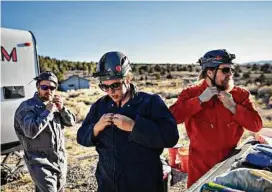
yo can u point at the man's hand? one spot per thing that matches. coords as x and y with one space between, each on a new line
58 101
123 122
104 121
227 100
208 94
51 107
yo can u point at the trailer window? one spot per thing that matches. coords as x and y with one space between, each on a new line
13 92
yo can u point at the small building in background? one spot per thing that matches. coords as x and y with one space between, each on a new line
74 82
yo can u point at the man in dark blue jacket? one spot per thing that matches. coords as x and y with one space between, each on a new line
130 129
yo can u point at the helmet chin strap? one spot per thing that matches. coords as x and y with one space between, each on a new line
125 95
221 88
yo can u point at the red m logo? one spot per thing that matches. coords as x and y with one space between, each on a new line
7 56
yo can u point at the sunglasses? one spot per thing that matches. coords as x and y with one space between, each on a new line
45 87
226 70
113 86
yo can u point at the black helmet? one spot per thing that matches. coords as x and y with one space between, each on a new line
214 58
47 75
112 65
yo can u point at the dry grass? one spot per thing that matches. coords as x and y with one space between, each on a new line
26 179
74 150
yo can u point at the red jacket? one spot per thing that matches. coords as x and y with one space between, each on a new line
213 130
211 126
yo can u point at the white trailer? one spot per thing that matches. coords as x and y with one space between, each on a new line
19 65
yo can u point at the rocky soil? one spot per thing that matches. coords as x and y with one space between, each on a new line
81 178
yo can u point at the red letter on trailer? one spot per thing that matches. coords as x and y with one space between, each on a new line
7 56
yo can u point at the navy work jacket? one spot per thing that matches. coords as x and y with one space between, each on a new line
130 161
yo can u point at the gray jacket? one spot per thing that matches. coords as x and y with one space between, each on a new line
41 135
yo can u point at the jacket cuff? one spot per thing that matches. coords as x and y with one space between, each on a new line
94 139
64 110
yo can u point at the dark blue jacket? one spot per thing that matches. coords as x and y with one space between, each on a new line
130 161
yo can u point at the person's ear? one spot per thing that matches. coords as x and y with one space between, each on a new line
209 73
38 85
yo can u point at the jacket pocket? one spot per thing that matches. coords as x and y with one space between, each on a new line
202 126
233 132
203 134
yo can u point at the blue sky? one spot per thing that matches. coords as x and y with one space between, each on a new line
153 32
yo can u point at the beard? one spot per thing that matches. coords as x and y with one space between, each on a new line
46 97
226 84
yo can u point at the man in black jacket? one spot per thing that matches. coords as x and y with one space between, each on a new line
130 129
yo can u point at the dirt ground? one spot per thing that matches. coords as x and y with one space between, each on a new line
81 170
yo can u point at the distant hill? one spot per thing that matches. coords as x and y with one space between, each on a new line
258 62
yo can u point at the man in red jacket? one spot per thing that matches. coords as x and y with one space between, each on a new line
215 113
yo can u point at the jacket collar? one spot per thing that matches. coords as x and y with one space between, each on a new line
203 84
37 99
135 95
